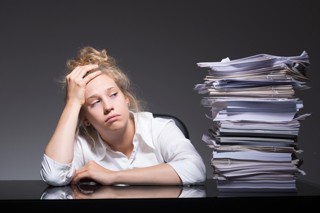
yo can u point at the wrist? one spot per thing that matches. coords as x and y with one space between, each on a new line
73 104
116 177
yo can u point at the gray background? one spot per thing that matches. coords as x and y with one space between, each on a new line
158 44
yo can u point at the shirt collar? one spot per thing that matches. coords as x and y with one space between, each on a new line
143 133
143 128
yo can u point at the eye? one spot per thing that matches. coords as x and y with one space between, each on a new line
95 102
114 94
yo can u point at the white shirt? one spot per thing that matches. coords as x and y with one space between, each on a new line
156 140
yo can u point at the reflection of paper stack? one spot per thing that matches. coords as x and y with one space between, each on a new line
255 120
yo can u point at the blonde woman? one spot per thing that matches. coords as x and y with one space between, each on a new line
103 136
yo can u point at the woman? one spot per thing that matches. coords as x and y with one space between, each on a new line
103 136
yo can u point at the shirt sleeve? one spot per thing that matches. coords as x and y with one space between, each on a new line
55 173
179 152
58 174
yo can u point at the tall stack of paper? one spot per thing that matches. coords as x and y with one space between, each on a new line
256 121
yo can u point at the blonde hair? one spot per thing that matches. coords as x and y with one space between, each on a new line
107 65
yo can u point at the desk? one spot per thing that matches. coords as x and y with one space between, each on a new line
35 194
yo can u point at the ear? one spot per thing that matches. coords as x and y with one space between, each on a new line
128 101
86 122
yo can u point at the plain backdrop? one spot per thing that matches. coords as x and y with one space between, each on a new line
158 44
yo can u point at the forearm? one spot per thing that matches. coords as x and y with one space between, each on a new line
60 146
162 174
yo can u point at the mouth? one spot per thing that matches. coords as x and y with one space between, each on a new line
112 118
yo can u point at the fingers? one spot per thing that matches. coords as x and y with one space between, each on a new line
83 73
77 178
92 172
91 75
83 174
78 79
79 174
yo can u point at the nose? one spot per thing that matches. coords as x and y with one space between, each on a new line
107 109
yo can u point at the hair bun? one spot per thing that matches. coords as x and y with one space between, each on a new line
89 55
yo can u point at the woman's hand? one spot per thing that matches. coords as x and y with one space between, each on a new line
78 79
95 172
161 174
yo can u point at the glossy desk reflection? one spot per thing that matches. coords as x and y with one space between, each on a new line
95 191
35 194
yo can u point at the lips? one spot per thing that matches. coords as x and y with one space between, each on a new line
112 118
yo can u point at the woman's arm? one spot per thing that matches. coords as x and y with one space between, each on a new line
59 153
181 155
60 146
183 164
162 174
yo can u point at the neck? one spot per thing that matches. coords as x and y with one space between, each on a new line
122 140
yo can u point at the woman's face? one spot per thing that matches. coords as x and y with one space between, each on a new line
106 107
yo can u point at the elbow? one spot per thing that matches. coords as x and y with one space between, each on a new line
55 179
192 172
198 175
55 174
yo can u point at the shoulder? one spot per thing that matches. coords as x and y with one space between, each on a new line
148 119
150 126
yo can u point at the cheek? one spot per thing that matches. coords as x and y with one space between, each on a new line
92 113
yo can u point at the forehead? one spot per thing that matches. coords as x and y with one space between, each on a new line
100 83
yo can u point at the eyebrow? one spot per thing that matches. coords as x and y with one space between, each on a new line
94 95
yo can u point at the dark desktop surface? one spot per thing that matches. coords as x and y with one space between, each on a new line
35 194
